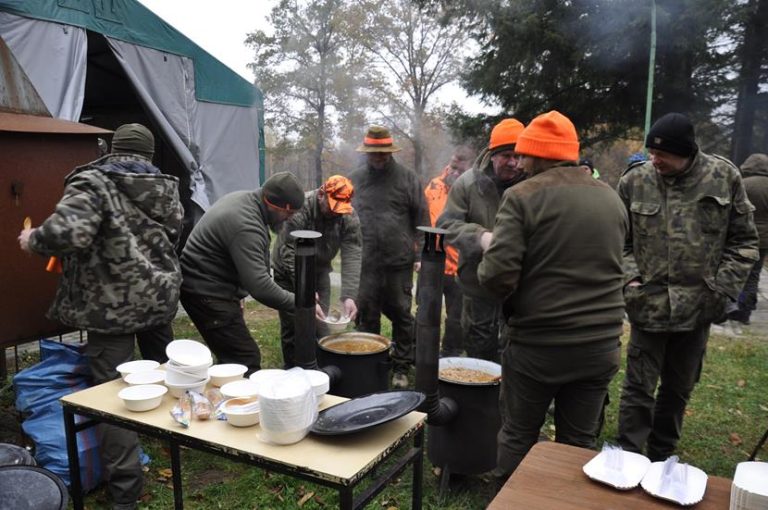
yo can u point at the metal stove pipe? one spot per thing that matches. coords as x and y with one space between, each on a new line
428 317
305 339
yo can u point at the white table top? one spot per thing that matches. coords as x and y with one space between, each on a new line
342 459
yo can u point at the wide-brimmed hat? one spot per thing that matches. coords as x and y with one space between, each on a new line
378 139
339 191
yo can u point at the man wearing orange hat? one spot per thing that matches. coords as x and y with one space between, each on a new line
555 259
390 201
327 210
469 216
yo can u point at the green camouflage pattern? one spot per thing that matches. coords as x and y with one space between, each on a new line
340 233
115 231
692 243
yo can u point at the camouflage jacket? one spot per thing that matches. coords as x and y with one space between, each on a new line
754 170
115 231
340 232
691 245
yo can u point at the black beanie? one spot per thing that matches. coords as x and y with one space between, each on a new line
134 139
283 191
673 133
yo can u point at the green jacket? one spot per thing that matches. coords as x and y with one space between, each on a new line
692 243
340 232
556 259
227 253
469 211
115 231
755 173
390 204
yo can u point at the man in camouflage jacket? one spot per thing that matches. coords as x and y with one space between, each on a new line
692 244
327 210
469 216
115 231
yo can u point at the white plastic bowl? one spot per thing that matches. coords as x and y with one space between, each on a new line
266 374
320 382
139 365
148 377
190 369
240 418
240 388
226 372
335 327
188 352
175 376
142 397
177 390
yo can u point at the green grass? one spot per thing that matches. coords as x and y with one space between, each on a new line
726 417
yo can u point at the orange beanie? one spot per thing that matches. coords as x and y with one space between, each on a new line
551 135
504 135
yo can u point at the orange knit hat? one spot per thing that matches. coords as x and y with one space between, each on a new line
551 135
504 135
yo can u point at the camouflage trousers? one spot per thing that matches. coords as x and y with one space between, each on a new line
656 423
576 377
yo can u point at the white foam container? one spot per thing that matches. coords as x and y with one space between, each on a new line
177 390
139 365
142 397
189 353
148 377
240 388
226 372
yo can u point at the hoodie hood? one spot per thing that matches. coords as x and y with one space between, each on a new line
756 164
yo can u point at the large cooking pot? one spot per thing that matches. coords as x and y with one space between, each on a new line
362 358
467 444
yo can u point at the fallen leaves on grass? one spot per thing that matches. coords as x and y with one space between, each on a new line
306 497
763 408
735 439
163 475
689 412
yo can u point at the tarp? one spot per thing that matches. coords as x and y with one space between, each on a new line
209 115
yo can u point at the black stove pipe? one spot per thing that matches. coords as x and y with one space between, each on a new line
428 317
305 327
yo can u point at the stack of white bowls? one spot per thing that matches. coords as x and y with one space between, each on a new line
288 407
187 367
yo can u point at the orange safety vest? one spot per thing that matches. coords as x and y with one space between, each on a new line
436 193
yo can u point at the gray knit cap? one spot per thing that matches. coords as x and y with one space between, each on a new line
134 139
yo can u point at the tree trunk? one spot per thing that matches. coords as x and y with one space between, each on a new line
752 54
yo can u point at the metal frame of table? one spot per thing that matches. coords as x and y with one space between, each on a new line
177 437
551 478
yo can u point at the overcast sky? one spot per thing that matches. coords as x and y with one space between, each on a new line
220 27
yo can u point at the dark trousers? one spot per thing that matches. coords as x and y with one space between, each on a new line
287 319
221 324
119 448
480 323
152 343
453 342
656 423
575 376
748 296
390 291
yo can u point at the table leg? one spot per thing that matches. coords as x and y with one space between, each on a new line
346 498
76 488
178 497
418 476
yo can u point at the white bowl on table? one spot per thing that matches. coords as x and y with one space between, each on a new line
189 353
226 372
177 376
139 365
320 382
265 374
148 377
241 412
241 388
177 390
142 397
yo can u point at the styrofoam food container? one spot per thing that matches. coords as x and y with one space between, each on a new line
148 377
266 374
240 388
337 326
188 352
139 365
320 382
226 372
142 397
190 369
177 390
175 376
240 418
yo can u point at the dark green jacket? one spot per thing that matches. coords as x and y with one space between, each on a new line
555 259
340 232
755 173
469 211
115 231
692 243
227 253
390 204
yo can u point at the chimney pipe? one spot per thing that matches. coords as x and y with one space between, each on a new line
429 297
305 339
